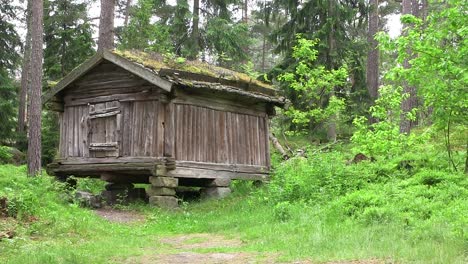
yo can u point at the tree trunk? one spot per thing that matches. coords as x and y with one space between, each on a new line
411 101
195 29
278 146
372 71
415 10
423 11
106 25
127 12
331 129
34 140
263 52
25 75
245 16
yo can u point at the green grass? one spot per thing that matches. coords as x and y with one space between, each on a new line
317 209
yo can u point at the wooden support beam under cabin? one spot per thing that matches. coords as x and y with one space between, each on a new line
186 172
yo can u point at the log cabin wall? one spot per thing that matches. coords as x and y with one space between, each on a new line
217 128
112 113
215 136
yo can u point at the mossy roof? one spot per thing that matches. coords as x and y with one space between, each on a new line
164 72
157 62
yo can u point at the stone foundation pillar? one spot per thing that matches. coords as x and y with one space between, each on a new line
217 189
162 192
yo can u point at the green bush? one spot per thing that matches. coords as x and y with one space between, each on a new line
5 155
282 211
316 179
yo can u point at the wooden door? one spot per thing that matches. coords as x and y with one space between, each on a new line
104 129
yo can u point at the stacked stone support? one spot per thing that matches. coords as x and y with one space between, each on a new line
163 188
217 188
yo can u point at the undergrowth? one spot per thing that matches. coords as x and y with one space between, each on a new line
407 209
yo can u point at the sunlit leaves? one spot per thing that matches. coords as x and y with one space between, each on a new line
314 86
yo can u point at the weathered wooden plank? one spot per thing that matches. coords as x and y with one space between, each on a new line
150 122
229 137
178 127
80 160
55 106
104 111
169 131
85 131
79 146
124 97
267 143
61 135
138 70
220 105
70 132
258 151
248 140
106 144
186 172
223 167
109 114
72 76
263 143
204 150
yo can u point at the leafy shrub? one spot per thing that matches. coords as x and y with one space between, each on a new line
356 203
315 179
27 196
5 155
282 211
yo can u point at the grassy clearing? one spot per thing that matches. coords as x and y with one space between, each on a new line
316 208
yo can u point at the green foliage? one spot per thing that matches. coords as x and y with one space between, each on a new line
27 196
10 41
226 39
438 55
383 137
5 155
10 44
401 220
411 190
50 136
314 87
8 105
282 211
94 186
68 37
143 33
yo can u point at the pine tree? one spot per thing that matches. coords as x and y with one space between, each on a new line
410 101
25 77
68 37
34 140
340 28
372 68
106 25
10 44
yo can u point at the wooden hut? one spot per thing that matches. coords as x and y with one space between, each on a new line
133 117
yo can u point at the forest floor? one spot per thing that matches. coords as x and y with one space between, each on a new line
198 248
316 210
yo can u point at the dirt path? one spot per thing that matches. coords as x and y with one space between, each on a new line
202 248
198 249
119 216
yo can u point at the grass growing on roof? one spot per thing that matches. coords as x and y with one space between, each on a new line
157 62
